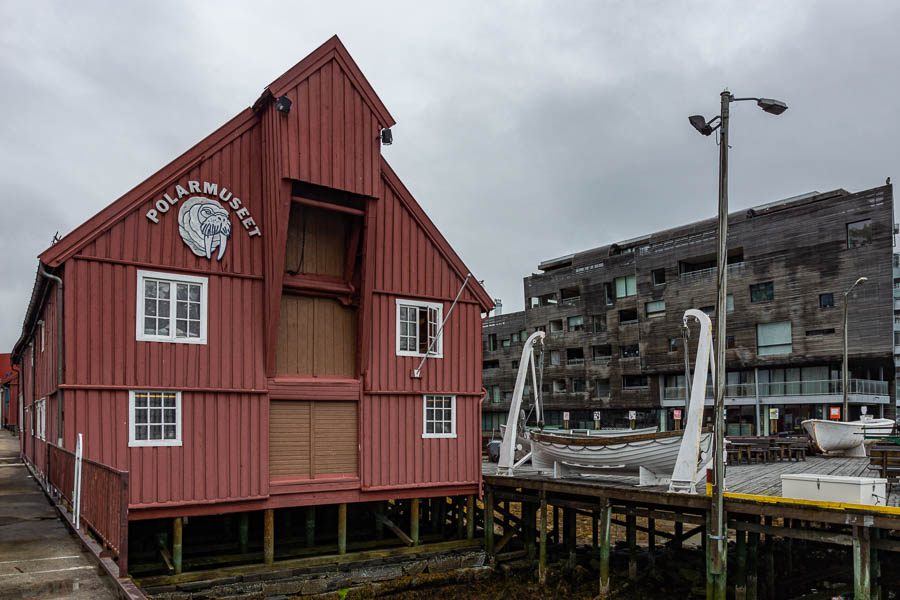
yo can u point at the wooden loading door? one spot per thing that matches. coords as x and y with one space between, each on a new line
314 439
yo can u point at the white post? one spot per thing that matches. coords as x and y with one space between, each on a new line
76 493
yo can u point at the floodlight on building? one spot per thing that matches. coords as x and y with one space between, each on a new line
387 138
283 105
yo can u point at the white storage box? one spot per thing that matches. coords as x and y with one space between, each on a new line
834 488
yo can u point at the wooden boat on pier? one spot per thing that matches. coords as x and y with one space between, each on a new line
845 437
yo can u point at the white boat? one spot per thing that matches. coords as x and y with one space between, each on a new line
845 438
651 454
675 457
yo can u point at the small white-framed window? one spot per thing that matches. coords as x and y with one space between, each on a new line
439 416
417 328
154 418
41 414
171 307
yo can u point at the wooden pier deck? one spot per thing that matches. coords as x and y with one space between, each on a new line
759 479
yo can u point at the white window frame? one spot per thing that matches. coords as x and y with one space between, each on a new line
41 414
437 350
132 442
425 416
173 278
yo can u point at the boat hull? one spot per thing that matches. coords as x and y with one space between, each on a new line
655 452
844 437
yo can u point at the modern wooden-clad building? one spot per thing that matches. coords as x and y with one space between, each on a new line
613 316
240 331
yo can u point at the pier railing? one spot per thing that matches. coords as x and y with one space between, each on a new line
832 387
104 499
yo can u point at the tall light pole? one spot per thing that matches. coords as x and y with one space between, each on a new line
717 535
845 381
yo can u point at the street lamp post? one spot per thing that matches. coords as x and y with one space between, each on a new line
845 381
717 535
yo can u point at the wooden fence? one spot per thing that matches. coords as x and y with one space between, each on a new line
104 499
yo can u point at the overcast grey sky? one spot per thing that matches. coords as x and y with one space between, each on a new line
526 130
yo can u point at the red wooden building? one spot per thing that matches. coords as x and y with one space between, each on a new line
9 395
239 332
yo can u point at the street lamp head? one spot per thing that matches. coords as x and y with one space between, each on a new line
773 107
700 124
861 280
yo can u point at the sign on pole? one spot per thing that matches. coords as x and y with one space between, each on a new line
835 413
76 493
565 415
632 415
677 412
596 415
773 414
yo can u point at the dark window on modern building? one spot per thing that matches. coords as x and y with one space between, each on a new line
634 381
729 342
630 351
545 300
608 293
559 386
828 331
491 342
599 323
490 364
601 353
578 385
658 276
628 316
569 294
859 233
515 364
556 326
575 324
601 388
826 300
656 308
762 292
554 358
673 344
574 356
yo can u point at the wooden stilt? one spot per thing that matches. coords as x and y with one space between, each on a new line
310 526
651 543
243 532
542 556
414 521
789 548
556 531
604 541
769 557
876 567
176 544
752 565
489 522
458 513
528 514
342 529
569 534
679 532
269 536
862 561
631 538
470 517
594 532
379 525
707 553
435 514
740 575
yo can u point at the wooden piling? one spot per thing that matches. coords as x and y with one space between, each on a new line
769 557
458 513
752 565
470 517
542 556
489 522
414 521
862 561
594 532
528 516
379 524
243 532
651 543
269 536
604 541
311 526
631 538
679 531
740 575
875 574
176 544
342 529
556 531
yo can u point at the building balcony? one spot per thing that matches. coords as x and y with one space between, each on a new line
794 392
601 360
700 273
575 361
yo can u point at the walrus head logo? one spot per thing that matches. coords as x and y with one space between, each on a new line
204 225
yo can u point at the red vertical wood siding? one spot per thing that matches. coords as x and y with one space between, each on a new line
329 138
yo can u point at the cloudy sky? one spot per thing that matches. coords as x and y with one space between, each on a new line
527 130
